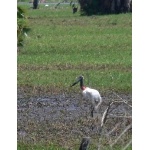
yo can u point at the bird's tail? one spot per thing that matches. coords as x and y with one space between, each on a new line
100 102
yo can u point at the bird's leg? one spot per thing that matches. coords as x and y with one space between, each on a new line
92 111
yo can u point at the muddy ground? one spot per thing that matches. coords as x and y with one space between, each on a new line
65 118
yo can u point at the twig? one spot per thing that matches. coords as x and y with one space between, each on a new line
127 128
127 145
115 116
103 120
122 99
116 126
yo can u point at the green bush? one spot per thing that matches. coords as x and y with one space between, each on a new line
89 7
93 7
22 25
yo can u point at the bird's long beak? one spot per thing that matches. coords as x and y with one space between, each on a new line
75 83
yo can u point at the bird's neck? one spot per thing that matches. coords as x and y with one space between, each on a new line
81 85
83 88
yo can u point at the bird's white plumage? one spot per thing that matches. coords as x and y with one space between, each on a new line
93 95
89 94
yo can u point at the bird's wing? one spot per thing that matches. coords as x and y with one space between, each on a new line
94 93
89 93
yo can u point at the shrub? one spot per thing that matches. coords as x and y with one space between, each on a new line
89 7
93 7
22 26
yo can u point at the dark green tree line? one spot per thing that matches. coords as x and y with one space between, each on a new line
90 7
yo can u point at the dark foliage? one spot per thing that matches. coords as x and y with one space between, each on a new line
22 27
94 7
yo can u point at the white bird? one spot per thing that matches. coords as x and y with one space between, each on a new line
89 94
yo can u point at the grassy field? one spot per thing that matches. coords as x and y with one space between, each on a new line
62 46
23 146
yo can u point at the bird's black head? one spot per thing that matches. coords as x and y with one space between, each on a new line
79 79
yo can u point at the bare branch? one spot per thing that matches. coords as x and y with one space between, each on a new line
127 145
122 99
116 126
105 114
127 128
115 116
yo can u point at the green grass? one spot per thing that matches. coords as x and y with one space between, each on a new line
24 146
62 46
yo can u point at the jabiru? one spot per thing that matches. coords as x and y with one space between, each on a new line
89 94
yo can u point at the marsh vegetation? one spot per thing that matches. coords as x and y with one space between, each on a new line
60 46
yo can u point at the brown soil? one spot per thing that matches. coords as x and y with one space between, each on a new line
62 118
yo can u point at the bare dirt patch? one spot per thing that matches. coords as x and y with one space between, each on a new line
65 118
